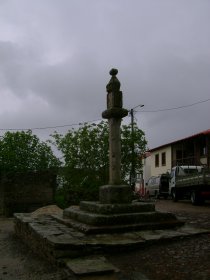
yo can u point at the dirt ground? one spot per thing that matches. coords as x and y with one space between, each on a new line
175 260
18 262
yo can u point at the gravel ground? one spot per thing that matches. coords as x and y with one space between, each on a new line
175 260
185 259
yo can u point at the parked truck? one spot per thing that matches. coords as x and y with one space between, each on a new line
190 182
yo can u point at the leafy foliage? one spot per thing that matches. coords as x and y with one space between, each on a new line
23 151
138 140
86 156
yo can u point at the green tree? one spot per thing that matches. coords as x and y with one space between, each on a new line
138 141
86 157
23 151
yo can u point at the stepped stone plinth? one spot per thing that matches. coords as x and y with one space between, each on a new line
117 208
94 217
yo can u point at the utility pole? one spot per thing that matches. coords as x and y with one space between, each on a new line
133 156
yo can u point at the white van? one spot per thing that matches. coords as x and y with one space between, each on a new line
158 186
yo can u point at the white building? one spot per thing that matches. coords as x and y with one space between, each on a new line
192 150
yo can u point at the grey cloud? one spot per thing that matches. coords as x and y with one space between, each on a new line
59 55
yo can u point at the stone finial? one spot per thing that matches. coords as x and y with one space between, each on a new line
113 72
114 83
114 98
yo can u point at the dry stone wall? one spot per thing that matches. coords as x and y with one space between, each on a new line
25 192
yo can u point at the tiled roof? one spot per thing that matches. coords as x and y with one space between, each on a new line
205 132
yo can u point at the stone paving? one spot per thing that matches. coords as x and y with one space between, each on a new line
66 246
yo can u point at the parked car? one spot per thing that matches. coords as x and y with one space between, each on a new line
158 186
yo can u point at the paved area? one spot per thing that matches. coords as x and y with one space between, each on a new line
55 240
186 258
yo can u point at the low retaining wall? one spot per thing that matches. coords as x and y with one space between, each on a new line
25 192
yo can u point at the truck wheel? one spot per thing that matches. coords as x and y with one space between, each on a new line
174 195
196 199
157 196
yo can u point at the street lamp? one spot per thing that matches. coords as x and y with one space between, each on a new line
133 159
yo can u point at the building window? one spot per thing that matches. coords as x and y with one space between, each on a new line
163 159
157 160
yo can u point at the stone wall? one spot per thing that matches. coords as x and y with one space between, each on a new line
25 192
1 200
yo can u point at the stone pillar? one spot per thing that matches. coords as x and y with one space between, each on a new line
114 151
2 206
114 192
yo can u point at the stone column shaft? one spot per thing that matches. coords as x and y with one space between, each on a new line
114 193
114 151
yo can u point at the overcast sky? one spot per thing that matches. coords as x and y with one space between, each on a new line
55 57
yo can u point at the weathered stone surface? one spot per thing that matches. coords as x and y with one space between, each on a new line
109 209
155 235
90 266
77 214
188 229
110 194
111 229
25 192
54 240
114 113
114 84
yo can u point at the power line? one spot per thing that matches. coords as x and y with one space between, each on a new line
175 108
50 127
81 123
